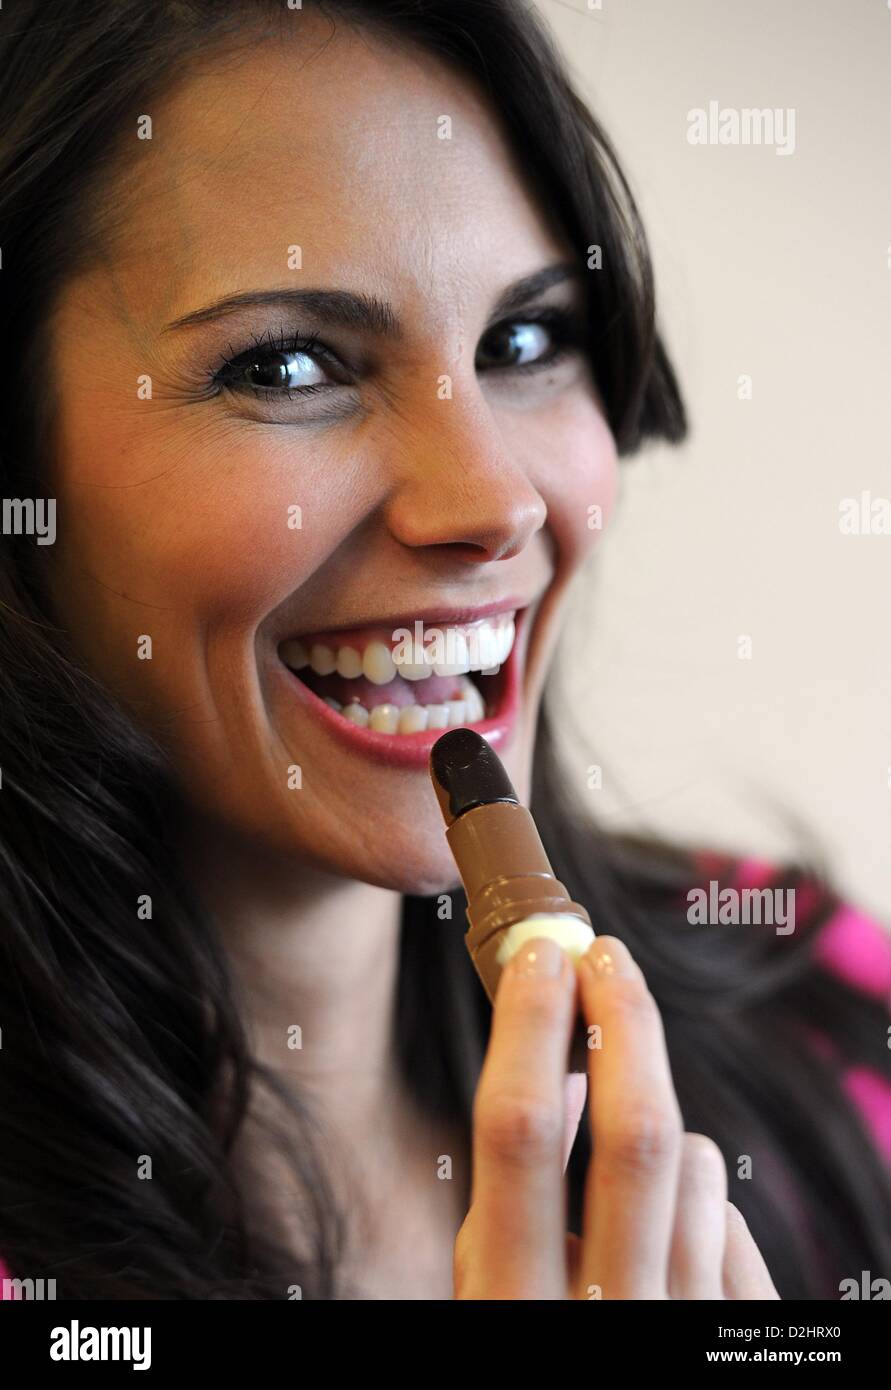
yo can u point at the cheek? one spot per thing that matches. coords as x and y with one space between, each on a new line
228 533
188 535
578 481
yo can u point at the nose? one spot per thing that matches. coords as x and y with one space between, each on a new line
460 488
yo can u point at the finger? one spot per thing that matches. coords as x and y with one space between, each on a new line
636 1128
519 1218
697 1243
575 1093
744 1273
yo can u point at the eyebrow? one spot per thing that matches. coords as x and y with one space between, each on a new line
351 310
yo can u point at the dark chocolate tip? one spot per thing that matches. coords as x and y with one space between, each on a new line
470 771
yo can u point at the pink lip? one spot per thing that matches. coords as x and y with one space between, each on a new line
413 750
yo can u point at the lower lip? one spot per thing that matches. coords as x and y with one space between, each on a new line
413 750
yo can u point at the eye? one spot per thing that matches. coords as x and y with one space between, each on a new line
281 367
537 340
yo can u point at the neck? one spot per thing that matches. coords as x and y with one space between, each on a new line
322 953
314 952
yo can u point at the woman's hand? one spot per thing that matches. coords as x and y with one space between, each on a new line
657 1223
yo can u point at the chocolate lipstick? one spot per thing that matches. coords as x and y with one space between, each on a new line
512 892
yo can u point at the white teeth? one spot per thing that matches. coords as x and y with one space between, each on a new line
384 719
294 654
488 646
349 663
498 649
413 719
456 712
505 640
414 670
474 708
322 659
456 644
483 647
437 717
378 664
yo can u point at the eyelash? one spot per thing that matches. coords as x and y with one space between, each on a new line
566 329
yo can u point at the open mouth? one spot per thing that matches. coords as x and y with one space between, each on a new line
401 682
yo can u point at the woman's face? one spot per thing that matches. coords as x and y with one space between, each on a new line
312 499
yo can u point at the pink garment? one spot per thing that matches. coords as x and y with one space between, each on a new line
857 949
852 945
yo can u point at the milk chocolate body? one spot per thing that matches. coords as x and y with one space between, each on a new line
502 862
507 877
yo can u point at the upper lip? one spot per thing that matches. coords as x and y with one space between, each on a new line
429 616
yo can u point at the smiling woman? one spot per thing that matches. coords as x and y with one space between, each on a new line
292 406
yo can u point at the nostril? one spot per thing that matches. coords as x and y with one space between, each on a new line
486 549
474 515
471 553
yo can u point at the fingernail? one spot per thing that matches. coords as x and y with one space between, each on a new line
610 958
541 957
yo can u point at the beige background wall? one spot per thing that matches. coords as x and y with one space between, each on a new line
776 267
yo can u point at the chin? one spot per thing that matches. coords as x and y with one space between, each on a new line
426 877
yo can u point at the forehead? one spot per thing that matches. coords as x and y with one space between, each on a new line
332 142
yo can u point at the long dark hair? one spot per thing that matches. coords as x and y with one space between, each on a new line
123 1038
